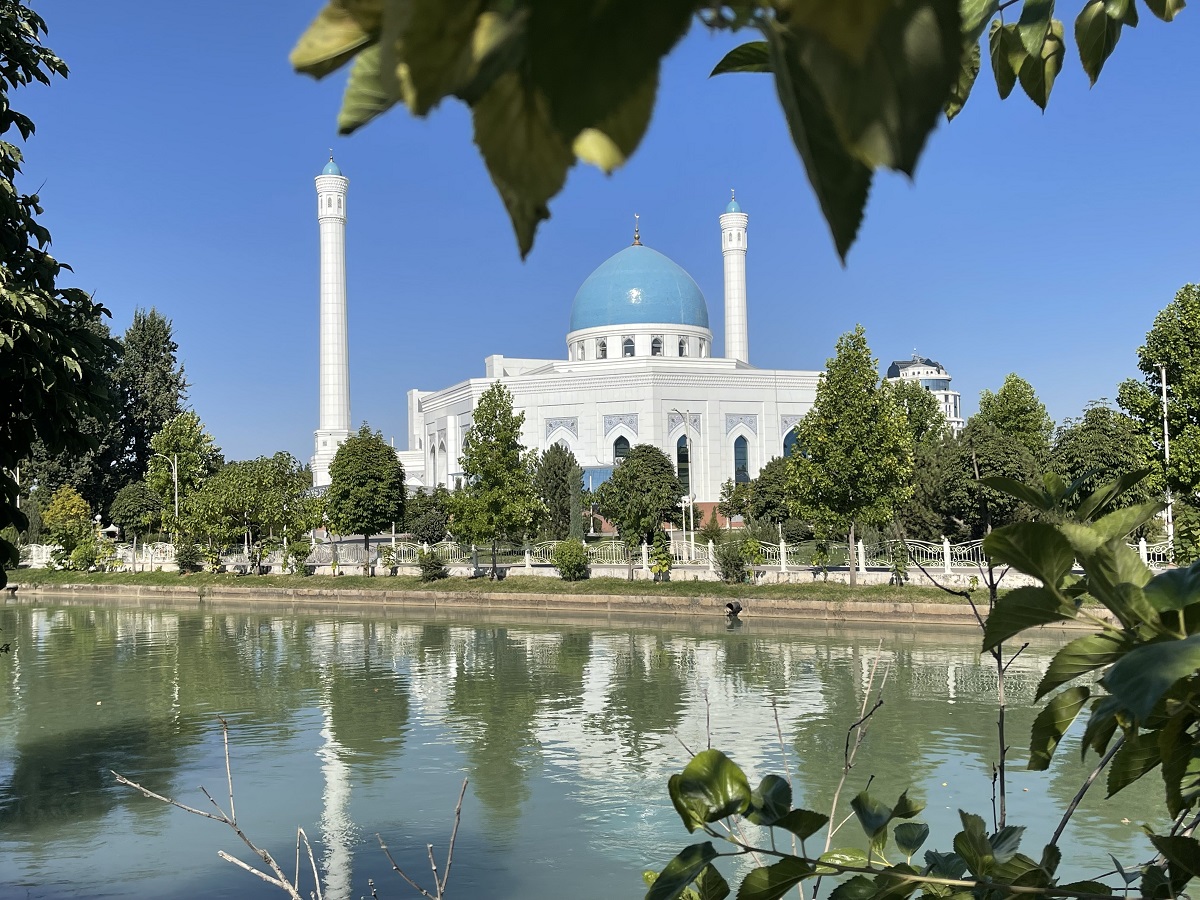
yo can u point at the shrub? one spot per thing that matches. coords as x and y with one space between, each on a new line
187 556
711 530
732 565
83 556
430 527
296 557
660 557
571 560
431 565
796 530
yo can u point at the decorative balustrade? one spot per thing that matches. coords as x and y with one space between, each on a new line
933 556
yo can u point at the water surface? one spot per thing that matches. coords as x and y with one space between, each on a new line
351 724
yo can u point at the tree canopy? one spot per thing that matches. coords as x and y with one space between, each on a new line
1101 445
366 487
136 509
1016 411
52 355
150 383
857 450
642 493
182 447
861 83
558 481
497 500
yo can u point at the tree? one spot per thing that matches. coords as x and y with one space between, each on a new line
52 355
642 493
935 476
1173 343
181 448
861 84
735 498
1101 445
137 509
497 500
150 383
768 493
857 455
924 415
67 519
558 479
427 514
366 487
1015 410
973 509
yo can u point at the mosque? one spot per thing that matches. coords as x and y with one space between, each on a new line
641 367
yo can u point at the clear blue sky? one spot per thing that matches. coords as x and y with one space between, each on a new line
176 168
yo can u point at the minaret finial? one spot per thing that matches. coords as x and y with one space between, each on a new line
331 154
637 240
732 192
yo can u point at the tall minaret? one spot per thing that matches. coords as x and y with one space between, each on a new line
334 422
733 248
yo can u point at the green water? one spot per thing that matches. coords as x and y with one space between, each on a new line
350 724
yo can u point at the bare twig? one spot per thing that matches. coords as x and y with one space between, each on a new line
1112 751
312 861
439 881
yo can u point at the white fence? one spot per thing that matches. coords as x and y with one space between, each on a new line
934 557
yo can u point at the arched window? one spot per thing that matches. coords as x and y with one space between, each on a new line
579 350
683 464
703 348
741 461
789 443
627 347
656 346
602 349
329 202
620 449
683 346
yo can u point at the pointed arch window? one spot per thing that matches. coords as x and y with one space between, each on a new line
656 346
683 464
789 443
683 348
602 349
627 347
703 348
620 449
741 461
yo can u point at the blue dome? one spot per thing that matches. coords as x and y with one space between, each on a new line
638 286
331 168
733 206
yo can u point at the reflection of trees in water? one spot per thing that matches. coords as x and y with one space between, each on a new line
757 662
646 695
368 709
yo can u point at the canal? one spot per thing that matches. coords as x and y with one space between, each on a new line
356 723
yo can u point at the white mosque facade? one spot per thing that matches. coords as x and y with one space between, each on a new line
640 368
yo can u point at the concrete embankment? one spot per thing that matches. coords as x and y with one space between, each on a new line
326 599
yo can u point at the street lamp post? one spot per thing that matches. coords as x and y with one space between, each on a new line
1162 371
173 459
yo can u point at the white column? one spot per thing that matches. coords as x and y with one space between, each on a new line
733 248
333 425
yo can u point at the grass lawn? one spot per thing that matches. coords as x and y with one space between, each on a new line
817 590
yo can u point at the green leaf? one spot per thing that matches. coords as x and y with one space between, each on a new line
1105 495
910 836
1080 656
711 885
1002 39
1165 9
1039 70
1021 608
1123 11
681 871
1034 25
339 32
1035 548
973 846
945 865
844 856
1051 857
906 808
772 882
752 56
1097 36
872 815
893 884
770 801
850 27
1089 887
609 144
1021 870
803 823
1052 723
710 788
1183 853
1174 588
886 105
1181 763
975 16
1102 724
968 71
1120 523
1115 577
860 887
370 91
1140 678
840 181
524 152
1006 841
1137 756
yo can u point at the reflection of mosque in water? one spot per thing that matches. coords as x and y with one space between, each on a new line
602 713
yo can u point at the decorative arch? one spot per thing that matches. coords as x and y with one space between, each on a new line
789 443
620 448
741 460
